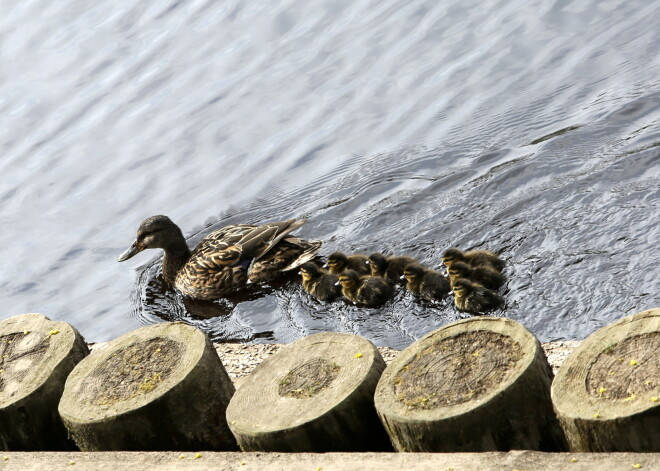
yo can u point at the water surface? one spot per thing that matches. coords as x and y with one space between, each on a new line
528 128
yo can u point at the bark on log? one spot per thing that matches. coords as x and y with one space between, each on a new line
161 387
607 393
481 384
36 356
315 395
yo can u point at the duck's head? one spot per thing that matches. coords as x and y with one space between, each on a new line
413 272
337 260
452 255
156 232
462 287
458 270
377 263
309 271
349 279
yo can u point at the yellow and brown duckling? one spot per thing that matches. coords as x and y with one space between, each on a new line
425 282
319 283
484 275
389 267
473 258
339 261
474 298
366 291
225 260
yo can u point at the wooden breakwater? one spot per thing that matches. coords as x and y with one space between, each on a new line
482 384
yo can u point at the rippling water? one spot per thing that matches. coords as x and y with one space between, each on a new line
530 128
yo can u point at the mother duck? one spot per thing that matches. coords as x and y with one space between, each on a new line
226 259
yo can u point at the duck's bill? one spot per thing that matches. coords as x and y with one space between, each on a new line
132 250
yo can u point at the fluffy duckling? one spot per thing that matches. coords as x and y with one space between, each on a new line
367 291
485 275
339 261
425 283
474 298
319 283
473 258
389 267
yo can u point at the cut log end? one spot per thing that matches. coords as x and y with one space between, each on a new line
314 395
607 393
476 385
157 388
36 356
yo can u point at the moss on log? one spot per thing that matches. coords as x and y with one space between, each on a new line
161 387
607 393
36 356
314 395
481 384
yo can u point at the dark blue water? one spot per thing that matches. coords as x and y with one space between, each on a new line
528 128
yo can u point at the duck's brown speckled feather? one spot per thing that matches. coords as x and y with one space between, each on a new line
261 252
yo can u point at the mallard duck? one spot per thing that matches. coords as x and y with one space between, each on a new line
389 267
339 261
226 259
425 282
319 283
367 291
473 258
485 275
474 298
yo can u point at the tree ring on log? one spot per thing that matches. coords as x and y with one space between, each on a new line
627 370
20 354
131 371
308 379
607 392
456 369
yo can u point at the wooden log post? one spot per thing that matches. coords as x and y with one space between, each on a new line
161 387
36 356
607 392
314 395
481 384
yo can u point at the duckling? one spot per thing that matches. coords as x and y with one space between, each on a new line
339 261
474 298
227 259
472 258
425 283
367 291
389 267
485 275
319 283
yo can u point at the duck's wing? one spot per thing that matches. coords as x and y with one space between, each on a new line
223 238
231 244
262 239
